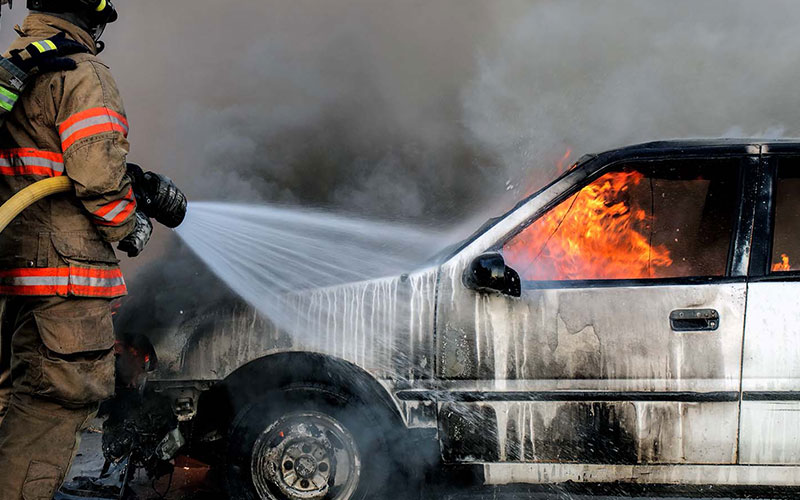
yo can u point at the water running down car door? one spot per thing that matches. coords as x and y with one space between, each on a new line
625 345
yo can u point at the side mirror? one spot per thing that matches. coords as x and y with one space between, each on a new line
489 273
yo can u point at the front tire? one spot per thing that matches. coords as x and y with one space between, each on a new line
308 442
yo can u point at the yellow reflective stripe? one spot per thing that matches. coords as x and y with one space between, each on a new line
7 99
9 94
50 44
39 46
101 6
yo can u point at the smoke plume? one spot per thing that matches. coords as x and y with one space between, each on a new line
434 113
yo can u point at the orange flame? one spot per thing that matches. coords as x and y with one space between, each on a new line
595 234
783 265
562 163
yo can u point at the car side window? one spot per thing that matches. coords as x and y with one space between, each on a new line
664 219
786 232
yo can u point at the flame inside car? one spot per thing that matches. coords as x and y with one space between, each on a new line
598 233
783 265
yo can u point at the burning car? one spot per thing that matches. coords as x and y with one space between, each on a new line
633 321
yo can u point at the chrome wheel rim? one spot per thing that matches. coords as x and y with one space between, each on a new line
305 456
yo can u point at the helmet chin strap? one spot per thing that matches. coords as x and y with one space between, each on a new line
97 31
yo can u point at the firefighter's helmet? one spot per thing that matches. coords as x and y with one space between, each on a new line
95 13
98 11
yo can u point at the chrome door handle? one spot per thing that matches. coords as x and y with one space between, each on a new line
694 320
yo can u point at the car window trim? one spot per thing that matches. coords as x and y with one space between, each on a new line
764 232
739 254
599 172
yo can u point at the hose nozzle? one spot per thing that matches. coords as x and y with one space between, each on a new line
157 196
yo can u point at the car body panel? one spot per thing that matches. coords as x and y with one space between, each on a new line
606 432
384 326
770 422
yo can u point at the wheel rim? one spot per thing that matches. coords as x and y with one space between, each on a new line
306 456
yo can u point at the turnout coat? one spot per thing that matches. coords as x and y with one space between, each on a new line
66 123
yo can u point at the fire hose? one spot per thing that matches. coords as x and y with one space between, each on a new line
156 196
30 195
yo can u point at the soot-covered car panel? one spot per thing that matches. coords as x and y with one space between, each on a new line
639 312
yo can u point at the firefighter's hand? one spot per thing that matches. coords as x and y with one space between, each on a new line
134 243
157 196
47 55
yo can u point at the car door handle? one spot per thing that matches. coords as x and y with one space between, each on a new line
694 320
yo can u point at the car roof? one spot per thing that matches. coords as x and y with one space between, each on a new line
691 147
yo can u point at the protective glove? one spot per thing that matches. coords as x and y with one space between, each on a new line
134 243
47 55
157 196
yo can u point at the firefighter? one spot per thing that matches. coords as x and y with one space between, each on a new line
58 269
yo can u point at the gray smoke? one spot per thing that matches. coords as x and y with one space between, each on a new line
595 75
352 105
429 111
437 112
433 112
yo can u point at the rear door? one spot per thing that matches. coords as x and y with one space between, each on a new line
625 346
770 432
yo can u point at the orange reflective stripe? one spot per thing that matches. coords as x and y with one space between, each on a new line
35 281
28 161
114 213
73 280
91 113
91 122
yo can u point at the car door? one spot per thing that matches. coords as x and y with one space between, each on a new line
625 344
770 429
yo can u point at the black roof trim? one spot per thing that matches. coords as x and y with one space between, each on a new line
692 147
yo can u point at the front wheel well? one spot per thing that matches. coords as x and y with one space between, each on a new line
270 381
218 406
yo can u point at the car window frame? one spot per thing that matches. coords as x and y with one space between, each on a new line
733 272
765 218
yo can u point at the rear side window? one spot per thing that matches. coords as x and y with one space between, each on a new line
786 233
666 219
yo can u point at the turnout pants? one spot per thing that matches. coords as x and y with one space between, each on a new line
56 365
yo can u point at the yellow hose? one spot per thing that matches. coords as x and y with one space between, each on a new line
30 195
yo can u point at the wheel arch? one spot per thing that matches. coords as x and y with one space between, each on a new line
257 377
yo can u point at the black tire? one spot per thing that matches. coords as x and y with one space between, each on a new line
260 426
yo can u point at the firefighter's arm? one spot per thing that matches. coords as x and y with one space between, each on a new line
91 121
